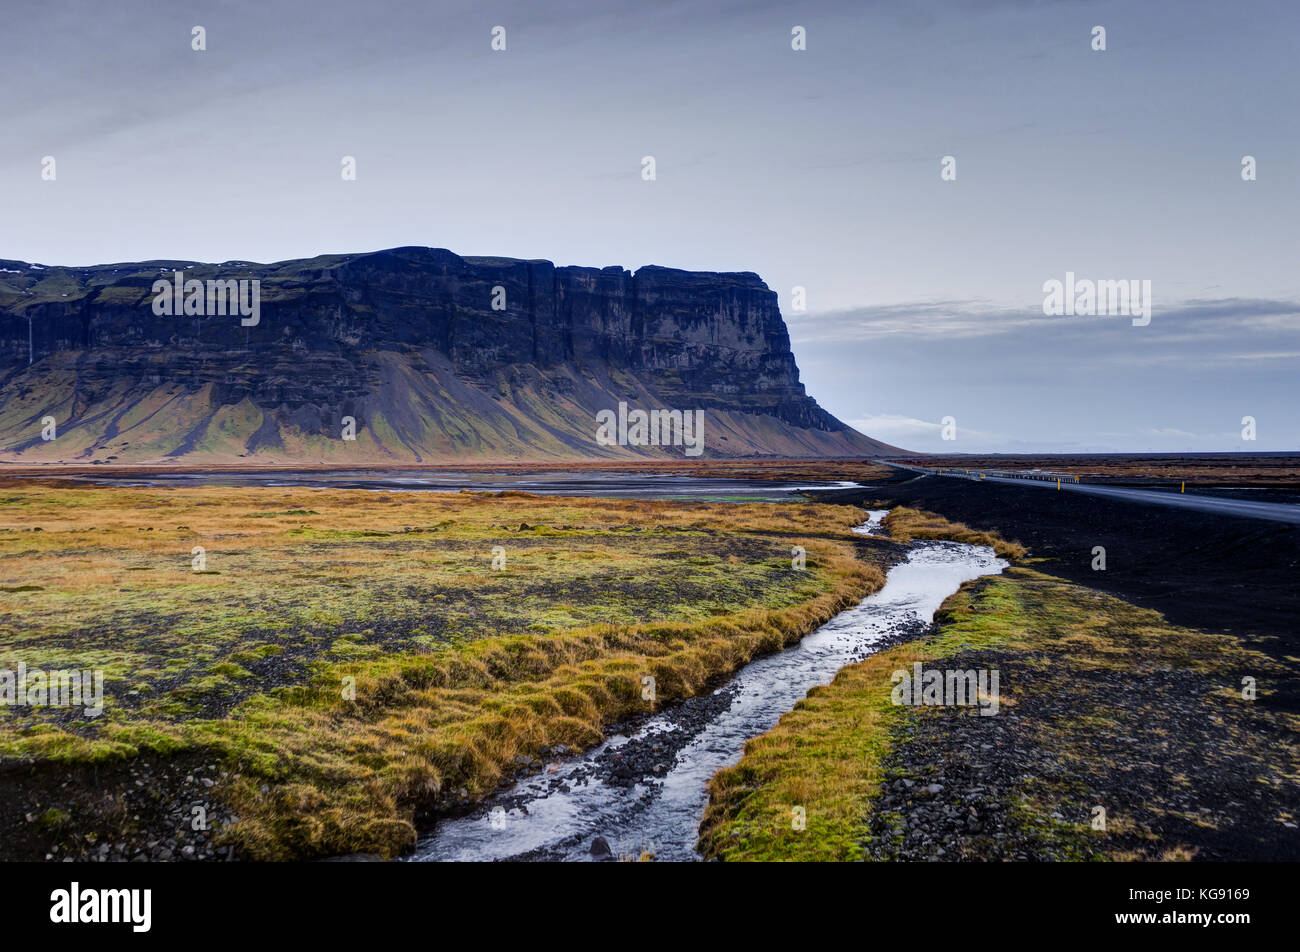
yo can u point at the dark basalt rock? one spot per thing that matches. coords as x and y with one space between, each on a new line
409 335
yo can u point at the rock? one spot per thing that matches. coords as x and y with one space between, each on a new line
395 331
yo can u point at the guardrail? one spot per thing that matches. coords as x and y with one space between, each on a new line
1042 476
962 473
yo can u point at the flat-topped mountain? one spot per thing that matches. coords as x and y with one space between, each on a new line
402 356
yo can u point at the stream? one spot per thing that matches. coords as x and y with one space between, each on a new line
611 485
646 789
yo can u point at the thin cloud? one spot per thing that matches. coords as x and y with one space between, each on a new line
1194 322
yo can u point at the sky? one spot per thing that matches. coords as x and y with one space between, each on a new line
817 168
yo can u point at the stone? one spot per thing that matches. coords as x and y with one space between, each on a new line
397 334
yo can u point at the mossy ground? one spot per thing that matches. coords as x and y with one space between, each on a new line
352 657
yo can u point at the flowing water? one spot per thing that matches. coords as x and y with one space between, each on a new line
610 485
646 789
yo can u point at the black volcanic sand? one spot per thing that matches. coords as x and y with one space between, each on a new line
1141 728
959 787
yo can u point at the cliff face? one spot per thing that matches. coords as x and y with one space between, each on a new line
407 343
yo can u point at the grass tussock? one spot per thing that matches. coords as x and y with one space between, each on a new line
349 773
908 525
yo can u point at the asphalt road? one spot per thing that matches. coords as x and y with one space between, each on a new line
1272 511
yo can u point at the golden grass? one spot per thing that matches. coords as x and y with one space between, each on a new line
908 525
425 724
455 669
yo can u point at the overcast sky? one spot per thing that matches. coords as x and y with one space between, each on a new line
818 168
